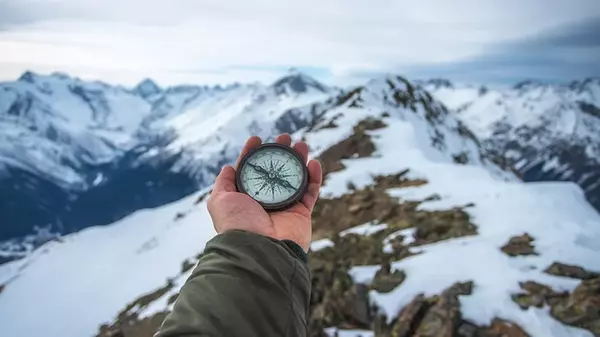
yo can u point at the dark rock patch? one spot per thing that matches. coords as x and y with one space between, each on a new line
385 280
581 308
566 270
358 145
519 246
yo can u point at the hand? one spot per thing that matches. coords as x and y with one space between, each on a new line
230 209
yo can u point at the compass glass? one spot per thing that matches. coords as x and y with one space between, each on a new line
272 175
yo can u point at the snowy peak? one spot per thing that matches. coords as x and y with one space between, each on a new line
437 83
147 88
295 83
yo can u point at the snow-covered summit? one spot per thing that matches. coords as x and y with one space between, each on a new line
295 83
147 88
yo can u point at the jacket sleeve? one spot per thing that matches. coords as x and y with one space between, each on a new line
246 285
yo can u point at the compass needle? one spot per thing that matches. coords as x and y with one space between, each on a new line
274 175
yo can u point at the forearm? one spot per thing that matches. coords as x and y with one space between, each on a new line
244 285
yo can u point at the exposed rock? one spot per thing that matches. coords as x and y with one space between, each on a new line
498 328
502 328
358 145
519 245
385 280
373 204
202 197
353 96
2 288
179 216
536 295
397 180
461 158
582 307
441 225
409 317
128 323
567 270
146 327
172 298
436 316
187 265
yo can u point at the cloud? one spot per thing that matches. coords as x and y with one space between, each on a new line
566 53
212 41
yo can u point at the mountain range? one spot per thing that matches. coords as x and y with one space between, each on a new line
75 154
547 132
443 210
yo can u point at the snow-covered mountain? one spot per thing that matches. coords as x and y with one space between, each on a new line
417 233
76 153
548 132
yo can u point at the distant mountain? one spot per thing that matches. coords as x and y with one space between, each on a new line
75 153
547 132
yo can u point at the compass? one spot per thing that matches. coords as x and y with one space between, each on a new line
274 175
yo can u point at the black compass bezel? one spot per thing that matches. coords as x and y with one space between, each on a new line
294 198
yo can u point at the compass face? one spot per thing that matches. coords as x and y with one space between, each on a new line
274 175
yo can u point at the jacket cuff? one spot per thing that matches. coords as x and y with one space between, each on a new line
297 250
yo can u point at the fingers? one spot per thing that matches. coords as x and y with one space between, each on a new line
251 143
284 139
302 150
225 181
315 176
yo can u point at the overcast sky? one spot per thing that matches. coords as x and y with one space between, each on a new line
338 41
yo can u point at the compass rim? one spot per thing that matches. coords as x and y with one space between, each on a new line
281 205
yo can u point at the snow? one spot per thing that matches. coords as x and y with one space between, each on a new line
100 270
365 229
320 244
407 238
331 332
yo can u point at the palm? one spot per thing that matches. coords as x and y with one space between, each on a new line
230 209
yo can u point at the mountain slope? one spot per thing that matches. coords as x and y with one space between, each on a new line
67 146
409 206
548 132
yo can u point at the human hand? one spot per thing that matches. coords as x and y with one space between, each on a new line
230 209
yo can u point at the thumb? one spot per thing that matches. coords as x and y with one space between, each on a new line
225 181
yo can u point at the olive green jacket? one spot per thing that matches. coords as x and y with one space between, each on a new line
245 285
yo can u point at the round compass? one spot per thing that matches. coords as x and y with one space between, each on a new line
274 175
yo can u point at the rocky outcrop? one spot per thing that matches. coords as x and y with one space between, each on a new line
566 270
128 322
440 316
358 145
536 295
386 280
519 245
581 308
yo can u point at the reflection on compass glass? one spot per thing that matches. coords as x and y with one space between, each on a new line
272 174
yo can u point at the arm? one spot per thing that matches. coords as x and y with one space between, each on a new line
252 280
245 285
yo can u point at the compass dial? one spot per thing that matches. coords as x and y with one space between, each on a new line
274 175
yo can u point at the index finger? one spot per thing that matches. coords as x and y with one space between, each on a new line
251 143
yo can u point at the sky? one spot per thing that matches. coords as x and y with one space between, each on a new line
337 41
